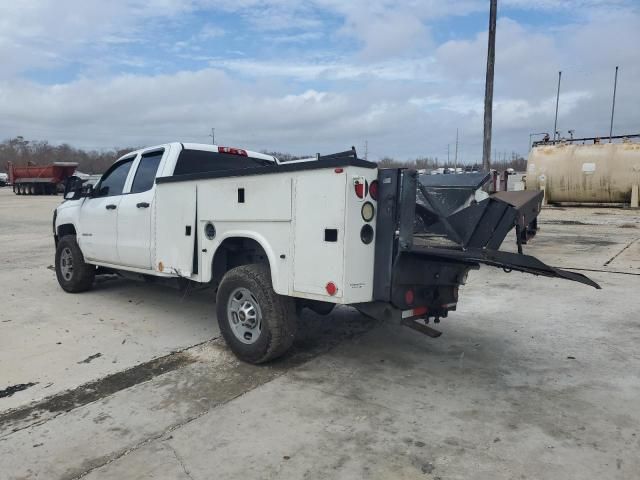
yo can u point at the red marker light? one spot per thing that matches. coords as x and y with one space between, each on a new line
331 288
339 170
360 188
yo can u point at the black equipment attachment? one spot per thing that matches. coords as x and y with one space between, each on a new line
432 229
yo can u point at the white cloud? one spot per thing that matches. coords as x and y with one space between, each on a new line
210 31
398 89
414 69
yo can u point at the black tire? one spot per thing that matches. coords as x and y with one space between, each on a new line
81 276
278 315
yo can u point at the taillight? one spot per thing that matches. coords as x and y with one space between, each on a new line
373 190
360 186
233 151
331 288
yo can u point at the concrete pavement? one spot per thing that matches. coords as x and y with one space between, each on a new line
532 378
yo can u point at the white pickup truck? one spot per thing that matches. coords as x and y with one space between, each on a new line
275 237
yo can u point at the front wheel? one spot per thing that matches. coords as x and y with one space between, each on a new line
257 323
74 275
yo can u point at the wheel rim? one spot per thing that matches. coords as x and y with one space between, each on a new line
244 315
66 264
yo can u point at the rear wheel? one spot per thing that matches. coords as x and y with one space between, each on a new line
74 275
257 323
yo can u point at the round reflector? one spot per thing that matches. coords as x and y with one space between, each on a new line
366 234
409 297
331 288
367 211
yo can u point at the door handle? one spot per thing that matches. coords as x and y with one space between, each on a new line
111 206
142 205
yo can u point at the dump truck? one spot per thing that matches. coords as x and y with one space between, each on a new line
272 238
40 179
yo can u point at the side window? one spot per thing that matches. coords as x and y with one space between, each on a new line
146 173
112 183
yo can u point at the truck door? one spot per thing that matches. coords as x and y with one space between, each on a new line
135 212
99 213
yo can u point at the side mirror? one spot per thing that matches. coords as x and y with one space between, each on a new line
74 188
87 190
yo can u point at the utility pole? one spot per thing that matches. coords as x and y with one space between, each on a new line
613 104
555 123
213 136
448 145
455 164
488 88
366 149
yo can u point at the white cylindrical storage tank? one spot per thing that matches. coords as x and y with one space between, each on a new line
596 173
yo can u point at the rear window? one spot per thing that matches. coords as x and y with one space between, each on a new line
199 161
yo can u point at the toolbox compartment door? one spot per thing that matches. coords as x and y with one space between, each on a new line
319 235
175 232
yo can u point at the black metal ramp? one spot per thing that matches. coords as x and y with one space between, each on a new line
506 260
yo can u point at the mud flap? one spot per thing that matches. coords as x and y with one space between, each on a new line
506 260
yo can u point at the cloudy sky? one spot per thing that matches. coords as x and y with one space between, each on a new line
314 76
